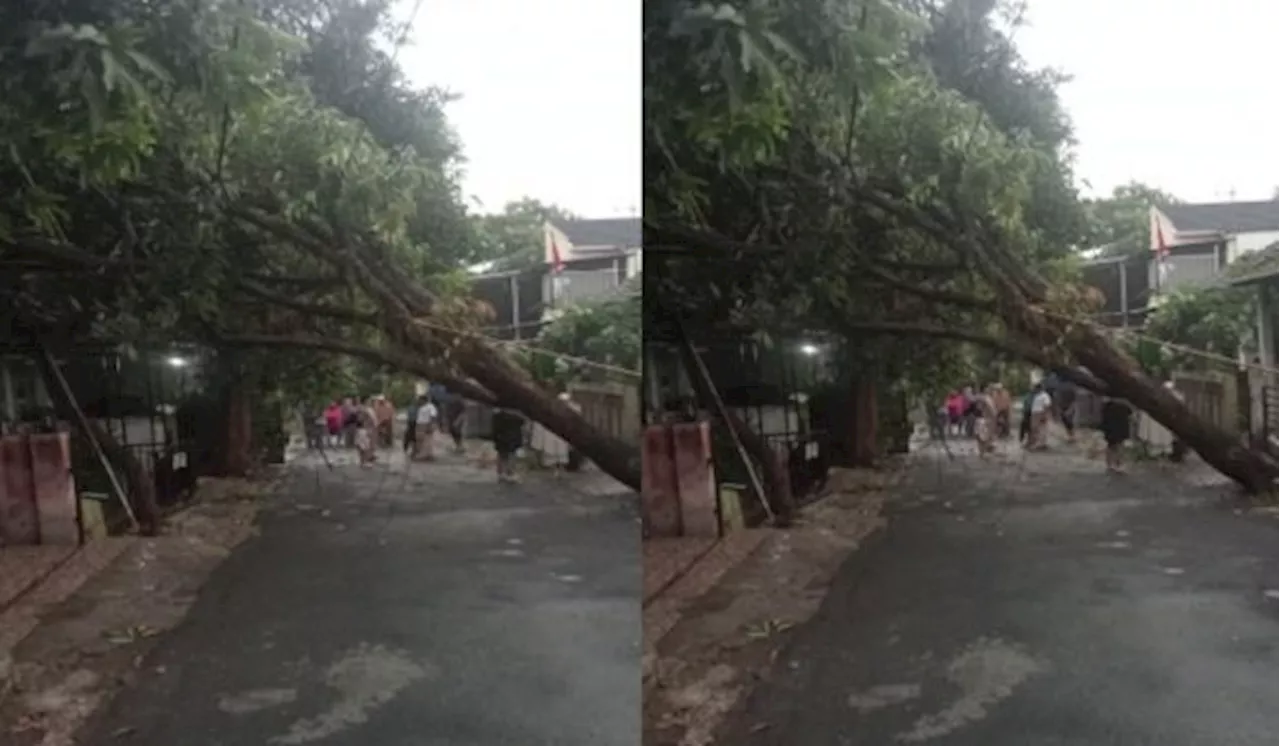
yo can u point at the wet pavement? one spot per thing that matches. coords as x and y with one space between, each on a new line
1041 602
427 606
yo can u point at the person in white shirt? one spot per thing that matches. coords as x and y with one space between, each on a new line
1041 404
425 426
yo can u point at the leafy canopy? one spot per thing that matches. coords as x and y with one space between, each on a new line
811 165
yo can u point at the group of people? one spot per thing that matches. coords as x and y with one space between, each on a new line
368 424
437 410
985 415
966 411
355 423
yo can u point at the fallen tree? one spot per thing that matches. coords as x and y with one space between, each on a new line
891 170
249 178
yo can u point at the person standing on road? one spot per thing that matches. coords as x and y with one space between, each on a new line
1003 404
1041 404
1065 401
365 428
970 412
425 425
955 411
984 427
411 426
1024 428
386 413
350 421
1116 416
455 415
333 422
508 439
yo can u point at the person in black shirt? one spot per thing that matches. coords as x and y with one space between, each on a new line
508 439
1116 415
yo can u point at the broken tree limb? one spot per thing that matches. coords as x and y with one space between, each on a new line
707 387
401 361
403 301
65 402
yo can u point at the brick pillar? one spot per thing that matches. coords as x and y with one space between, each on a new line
55 494
19 521
695 480
659 491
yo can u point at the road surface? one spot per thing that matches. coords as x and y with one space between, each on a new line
1037 602
428 608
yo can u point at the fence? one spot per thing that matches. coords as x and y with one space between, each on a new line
1212 396
613 408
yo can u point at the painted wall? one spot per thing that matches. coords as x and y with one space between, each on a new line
1244 243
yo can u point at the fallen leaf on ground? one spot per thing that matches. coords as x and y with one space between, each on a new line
769 628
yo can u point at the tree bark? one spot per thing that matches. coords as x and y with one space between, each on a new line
1252 469
513 387
239 442
866 445
407 317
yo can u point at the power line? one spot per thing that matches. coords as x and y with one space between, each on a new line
1156 340
498 342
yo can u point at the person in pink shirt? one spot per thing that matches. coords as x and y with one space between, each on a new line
956 404
333 421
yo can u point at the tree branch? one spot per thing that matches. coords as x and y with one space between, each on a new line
311 309
466 387
302 282
1011 347
949 268
962 300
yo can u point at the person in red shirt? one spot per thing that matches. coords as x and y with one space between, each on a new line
333 422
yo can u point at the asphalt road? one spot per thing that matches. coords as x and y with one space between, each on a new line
436 608
1038 603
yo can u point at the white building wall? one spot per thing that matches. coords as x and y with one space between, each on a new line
1244 243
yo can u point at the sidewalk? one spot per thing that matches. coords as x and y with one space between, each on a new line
76 632
713 629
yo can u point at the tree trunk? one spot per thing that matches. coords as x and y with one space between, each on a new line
1251 469
866 445
513 388
238 444
405 303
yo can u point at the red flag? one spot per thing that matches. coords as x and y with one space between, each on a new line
557 262
1161 249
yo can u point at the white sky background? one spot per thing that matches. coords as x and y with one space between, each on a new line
1179 94
551 99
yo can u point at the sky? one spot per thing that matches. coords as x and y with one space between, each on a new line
1178 94
550 104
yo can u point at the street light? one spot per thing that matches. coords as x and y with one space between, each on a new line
176 362
810 349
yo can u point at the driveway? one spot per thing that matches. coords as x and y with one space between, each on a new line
424 607
1040 602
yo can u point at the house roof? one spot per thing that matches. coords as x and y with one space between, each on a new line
613 232
1227 217
1255 266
